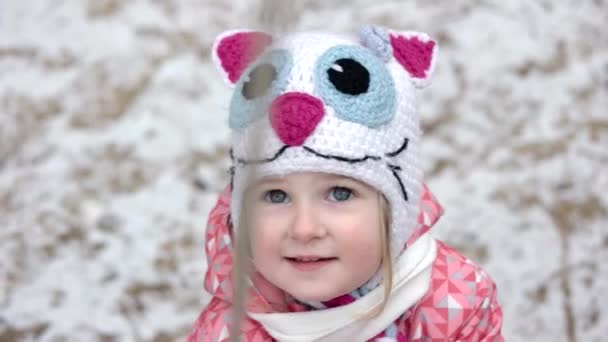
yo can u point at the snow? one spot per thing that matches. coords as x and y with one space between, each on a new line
113 148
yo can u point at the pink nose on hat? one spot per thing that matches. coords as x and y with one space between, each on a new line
294 117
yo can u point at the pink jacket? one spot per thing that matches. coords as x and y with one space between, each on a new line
460 305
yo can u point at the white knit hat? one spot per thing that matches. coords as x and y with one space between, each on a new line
334 104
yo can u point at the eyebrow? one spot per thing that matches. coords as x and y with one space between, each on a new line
270 180
333 177
325 178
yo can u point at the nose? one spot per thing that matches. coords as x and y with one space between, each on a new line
294 116
305 225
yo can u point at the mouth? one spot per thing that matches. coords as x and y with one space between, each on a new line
310 263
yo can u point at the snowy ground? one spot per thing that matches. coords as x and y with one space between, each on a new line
113 145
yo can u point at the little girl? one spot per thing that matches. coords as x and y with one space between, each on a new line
327 175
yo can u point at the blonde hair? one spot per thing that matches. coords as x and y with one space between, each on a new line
387 263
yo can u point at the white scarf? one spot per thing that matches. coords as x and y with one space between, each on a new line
411 280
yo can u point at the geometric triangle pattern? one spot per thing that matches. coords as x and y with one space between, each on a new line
429 214
460 305
214 322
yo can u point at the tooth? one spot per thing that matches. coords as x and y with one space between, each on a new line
308 259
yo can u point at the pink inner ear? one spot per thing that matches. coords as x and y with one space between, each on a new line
237 51
414 54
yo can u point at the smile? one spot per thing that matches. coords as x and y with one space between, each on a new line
308 264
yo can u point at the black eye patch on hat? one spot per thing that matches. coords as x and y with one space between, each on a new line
356 84
349 76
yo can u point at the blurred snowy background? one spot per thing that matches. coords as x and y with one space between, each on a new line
113 146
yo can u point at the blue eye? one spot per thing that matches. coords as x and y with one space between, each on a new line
356 84
275 196
340 194
269 75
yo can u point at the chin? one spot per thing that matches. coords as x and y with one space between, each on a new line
313 298
306 296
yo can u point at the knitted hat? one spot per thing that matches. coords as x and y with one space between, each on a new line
329 103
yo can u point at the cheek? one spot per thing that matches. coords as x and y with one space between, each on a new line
265 236
369 247
363 235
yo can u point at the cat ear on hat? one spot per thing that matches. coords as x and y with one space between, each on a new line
233 51
415 51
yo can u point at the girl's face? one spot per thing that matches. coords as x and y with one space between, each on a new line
315 235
